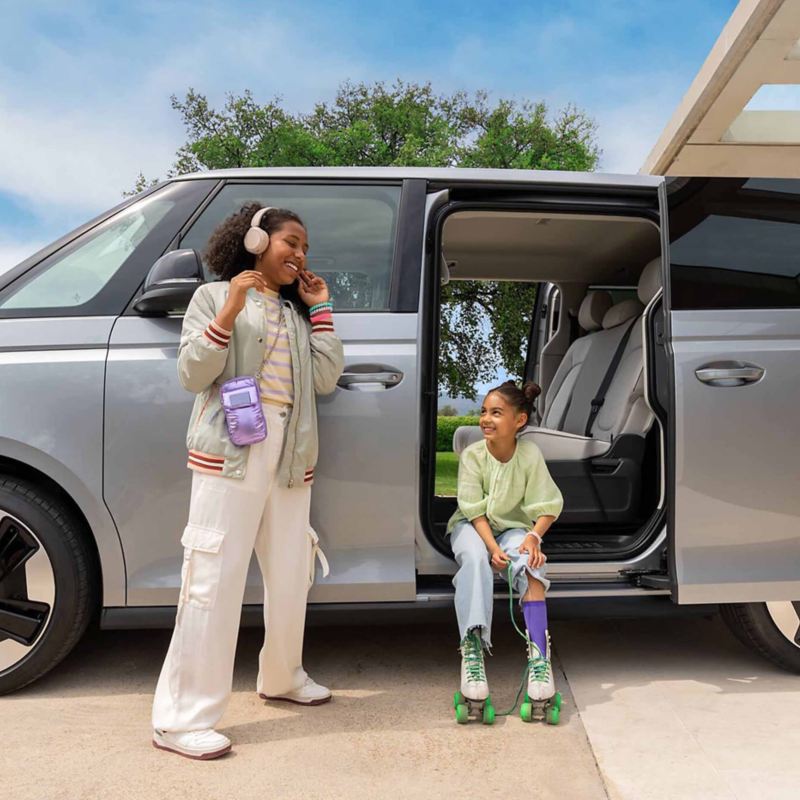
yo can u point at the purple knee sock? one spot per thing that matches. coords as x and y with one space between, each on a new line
535 612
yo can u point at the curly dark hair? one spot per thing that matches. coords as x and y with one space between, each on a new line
519 399
225 253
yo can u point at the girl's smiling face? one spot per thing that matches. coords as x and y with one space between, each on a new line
499 420
285 258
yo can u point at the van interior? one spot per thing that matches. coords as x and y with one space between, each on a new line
597 424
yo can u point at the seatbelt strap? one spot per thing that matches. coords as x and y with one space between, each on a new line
600 398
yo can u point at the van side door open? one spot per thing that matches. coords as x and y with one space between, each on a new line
733 330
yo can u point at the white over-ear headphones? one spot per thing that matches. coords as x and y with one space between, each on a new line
256 240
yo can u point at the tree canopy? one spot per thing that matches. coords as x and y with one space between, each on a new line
484 324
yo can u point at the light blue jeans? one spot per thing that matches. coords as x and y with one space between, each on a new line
474 581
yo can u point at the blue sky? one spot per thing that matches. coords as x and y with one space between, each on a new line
85 86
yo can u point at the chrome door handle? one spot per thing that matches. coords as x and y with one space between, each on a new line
729 373
351 380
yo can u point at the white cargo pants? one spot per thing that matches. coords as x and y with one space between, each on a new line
227 519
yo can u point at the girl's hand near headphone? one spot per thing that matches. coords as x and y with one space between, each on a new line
536 557
237 294
311 288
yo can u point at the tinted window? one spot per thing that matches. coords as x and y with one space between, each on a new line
351 233
735 243
98 271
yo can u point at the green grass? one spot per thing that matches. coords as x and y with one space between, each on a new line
446 474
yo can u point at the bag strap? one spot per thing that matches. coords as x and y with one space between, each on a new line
600 398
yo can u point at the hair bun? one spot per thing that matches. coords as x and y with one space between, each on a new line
531 390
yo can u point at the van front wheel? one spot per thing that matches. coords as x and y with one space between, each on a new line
771 629
47 583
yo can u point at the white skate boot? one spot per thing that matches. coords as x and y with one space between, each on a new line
473 669
474 693
541 699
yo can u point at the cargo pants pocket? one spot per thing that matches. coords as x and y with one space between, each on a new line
202 566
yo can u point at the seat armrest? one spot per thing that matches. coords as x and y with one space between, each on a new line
563 446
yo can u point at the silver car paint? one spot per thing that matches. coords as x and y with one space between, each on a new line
51 374
737 503
363 505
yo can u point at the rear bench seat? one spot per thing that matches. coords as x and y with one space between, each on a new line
598 469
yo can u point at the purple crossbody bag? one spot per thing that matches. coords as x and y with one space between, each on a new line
244 416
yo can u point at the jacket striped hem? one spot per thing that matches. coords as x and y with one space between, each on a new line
219 336
309 478
202 462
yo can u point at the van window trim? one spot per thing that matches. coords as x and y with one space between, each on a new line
399 300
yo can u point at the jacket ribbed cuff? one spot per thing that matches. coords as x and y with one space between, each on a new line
219 336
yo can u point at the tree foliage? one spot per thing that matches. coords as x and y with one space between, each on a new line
484 324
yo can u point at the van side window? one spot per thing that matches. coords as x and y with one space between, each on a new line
98 272
734 243
351 233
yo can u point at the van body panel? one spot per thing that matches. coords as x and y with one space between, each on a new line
733 336
51 373
737 505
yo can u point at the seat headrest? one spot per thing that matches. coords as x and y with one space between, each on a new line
650 280
464 436
593 309
622 312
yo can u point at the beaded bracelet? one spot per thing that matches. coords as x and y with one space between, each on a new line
327 306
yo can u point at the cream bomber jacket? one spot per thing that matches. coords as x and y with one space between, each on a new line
208 356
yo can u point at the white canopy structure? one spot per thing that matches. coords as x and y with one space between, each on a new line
741 115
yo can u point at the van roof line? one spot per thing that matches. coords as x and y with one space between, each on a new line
450 174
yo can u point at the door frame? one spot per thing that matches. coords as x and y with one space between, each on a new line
598 201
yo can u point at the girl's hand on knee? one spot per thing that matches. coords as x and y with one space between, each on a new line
536 557
499 560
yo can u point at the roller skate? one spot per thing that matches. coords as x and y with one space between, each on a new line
473 698
542 701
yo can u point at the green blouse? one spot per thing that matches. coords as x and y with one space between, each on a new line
511 494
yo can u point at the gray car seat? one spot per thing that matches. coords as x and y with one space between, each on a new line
596 458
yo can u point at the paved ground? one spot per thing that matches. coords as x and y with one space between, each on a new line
674 708
83 732
679 709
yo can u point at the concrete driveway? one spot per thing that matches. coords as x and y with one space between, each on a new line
84 731
654 708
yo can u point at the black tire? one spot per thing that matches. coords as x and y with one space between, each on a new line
754 624
31 519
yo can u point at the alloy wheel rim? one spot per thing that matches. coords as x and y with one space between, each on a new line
27 590
786 616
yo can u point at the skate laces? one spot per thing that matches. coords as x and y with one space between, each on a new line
472 653
538 665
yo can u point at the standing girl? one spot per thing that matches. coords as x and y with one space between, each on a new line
506 503
268 321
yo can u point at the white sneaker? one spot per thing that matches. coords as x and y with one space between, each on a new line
474 685
203 745
309 694
540 673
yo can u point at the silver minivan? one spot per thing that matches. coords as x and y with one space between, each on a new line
665 336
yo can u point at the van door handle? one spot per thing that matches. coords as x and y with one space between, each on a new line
729 373
365 381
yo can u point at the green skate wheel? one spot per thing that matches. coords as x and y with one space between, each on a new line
553 714
462 714
458 699
557 700
526 712
488 713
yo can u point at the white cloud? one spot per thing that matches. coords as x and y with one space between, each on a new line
81 124
13 252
